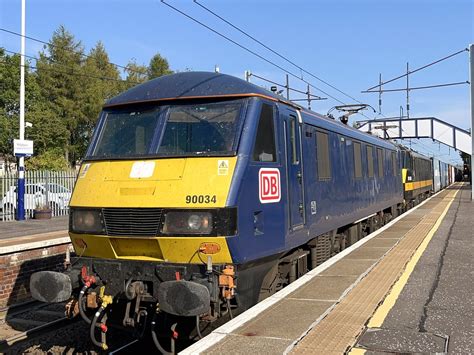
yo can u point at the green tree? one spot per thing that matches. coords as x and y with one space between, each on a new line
158 67
10 101
136 74
61 78
102 83
49 160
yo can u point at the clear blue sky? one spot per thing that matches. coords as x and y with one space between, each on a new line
345 42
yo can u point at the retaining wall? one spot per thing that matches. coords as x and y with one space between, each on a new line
18 262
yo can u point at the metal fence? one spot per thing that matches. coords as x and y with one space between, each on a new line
43 189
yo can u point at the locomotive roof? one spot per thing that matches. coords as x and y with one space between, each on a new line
190 85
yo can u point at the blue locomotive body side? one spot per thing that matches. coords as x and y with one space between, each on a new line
310 204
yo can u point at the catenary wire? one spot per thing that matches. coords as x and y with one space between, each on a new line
69 73
67 67
249 50
315 97
416 88
418 69
255 54
67 49
274 52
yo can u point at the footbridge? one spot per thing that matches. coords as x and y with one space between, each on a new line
422 127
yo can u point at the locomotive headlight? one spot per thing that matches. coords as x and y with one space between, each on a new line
187 222
86 221
197 222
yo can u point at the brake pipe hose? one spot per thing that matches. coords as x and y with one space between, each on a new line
155 337
81 306
99 315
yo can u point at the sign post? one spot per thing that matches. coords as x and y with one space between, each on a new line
21 149
471 56
21 161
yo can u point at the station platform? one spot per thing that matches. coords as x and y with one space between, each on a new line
405 288
21 235
26 247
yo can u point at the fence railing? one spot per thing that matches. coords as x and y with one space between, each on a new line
43 189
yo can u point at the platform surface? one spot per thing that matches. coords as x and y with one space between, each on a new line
327 310
15 229
17 236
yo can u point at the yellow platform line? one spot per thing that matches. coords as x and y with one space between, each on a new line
381 313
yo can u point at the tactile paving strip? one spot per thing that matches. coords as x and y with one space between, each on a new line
339 330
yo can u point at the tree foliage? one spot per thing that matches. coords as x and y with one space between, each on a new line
49 160
158 67
64 96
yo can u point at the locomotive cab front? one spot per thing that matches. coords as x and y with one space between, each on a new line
154 212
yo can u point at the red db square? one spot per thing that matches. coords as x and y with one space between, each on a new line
269 188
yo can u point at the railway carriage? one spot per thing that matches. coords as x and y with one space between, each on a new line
417 175
202 193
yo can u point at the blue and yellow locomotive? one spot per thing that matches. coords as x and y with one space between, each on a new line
202 194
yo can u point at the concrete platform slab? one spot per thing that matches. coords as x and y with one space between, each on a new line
381 243
345 267
299 313
245 345
368 253
324 287
392 234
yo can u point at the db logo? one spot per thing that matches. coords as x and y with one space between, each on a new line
269 185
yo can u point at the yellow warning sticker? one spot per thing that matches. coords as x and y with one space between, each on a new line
222 167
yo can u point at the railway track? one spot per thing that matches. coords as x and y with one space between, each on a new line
32 320
43 328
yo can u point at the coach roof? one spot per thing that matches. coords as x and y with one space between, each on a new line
190 85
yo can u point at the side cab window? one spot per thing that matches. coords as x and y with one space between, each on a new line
264 149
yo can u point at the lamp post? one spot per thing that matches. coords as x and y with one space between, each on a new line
471 57
21 162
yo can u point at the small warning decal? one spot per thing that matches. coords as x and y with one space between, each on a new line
269 187
222 167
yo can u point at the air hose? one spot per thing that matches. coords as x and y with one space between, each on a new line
156 341
98 315
198 330
81 306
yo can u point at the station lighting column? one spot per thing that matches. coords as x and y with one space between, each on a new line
471 57
20 209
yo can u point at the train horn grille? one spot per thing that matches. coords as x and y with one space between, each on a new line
132 221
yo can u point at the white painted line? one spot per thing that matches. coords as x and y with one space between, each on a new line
34 245
224 330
